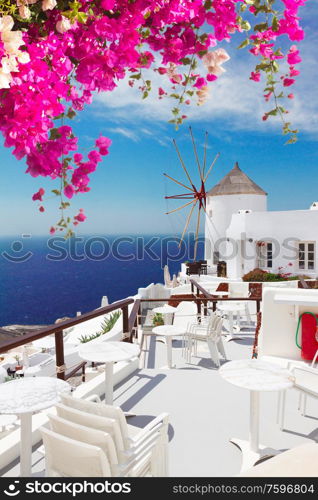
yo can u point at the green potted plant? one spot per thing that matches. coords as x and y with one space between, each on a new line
158 320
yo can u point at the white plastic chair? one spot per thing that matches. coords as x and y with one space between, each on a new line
94 437
241 290
305 381
210 333
65 457
184 315
92 414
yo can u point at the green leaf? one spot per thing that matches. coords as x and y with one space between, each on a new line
245 43
261 27
245 25
81 17
273 112
275 24
54 134
71 113
185 61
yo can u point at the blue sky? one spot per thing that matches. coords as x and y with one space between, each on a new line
128 189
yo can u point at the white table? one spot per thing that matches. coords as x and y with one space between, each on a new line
168 331
23 397
255 375
108 353
166 309
230 308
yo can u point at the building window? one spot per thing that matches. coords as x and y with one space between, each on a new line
264 252
306 255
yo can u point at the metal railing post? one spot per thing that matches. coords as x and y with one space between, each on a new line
59 355
125 321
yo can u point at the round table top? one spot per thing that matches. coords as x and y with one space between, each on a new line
108 352
232 306
166 309
26 395
256 375
168 330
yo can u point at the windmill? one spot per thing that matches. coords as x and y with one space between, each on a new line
197 196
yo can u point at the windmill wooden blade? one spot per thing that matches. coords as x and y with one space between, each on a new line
178 182
182 162
212 165
179 208
204 153
196 235
187 222
196 153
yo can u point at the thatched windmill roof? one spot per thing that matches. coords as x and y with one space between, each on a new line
236 182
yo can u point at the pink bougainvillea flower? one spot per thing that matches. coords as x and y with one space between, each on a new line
103 143
293 71
211 78
52 230
287 82
69 191
78 157
39 195
200 82
293 56
256 76
80 217
108 4
290 96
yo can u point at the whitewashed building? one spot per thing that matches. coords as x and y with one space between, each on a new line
240 231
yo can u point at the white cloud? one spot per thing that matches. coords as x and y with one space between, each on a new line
235 103
130 134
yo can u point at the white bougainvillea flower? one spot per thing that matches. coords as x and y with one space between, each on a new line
213 61
63 25
12 41
48 4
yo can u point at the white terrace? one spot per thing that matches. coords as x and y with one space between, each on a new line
205 410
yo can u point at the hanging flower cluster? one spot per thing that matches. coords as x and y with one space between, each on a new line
55 53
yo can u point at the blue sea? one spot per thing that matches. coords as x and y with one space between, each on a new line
43 279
